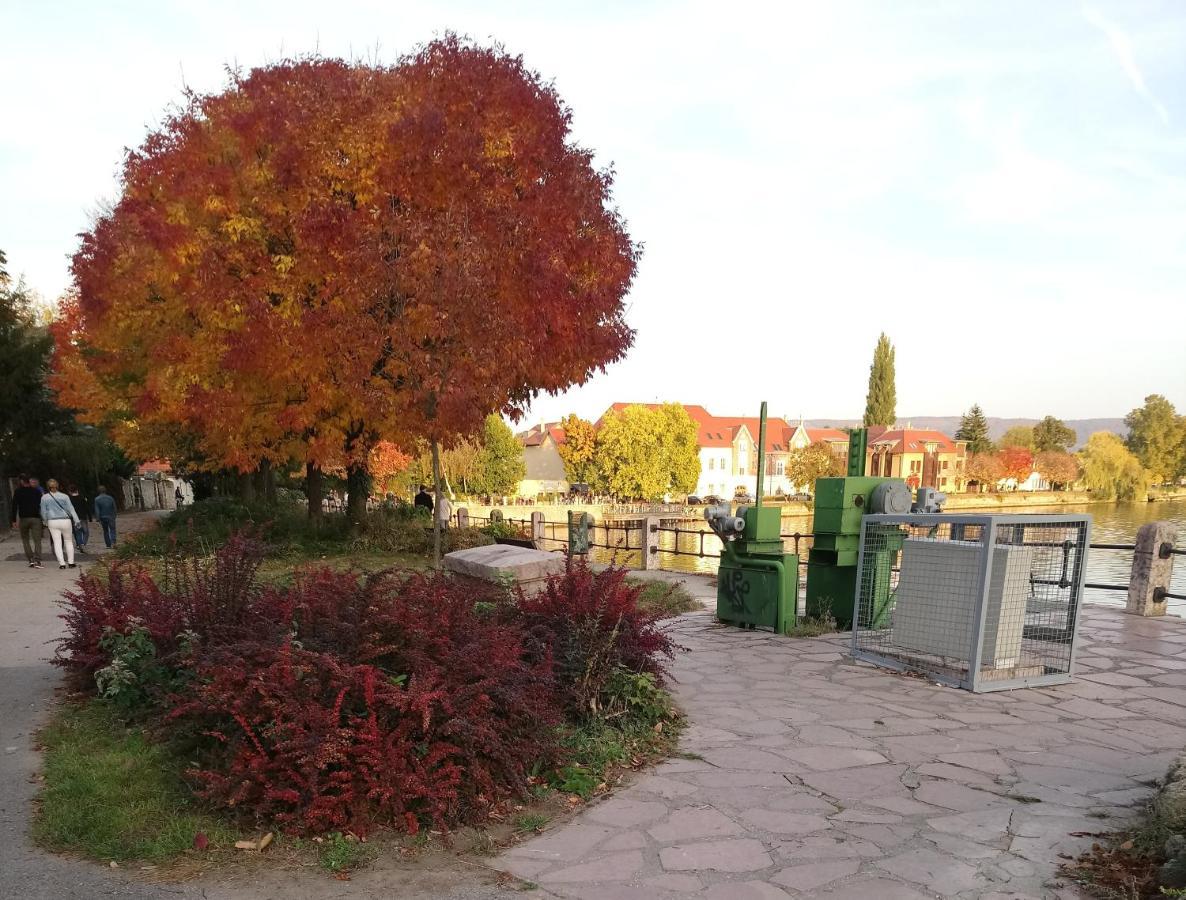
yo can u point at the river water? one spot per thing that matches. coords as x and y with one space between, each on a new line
1113 523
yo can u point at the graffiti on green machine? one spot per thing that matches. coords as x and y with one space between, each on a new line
736 588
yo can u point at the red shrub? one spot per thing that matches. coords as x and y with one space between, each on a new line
213 600
591 624
396 704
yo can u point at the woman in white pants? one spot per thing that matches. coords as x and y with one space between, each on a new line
57 511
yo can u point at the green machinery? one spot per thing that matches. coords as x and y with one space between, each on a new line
840 504
757 583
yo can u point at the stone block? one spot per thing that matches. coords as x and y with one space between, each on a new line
501 563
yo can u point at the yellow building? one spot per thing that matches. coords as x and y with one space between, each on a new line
920 457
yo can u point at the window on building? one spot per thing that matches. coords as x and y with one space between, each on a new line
711 462
779 467
942 482
722 464
741 470
944 465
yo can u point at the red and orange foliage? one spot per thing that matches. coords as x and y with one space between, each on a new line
1017 462
330 254
386 462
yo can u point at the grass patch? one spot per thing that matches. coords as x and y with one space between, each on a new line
531 822
338 853
638 726
813 627
664 597
111 793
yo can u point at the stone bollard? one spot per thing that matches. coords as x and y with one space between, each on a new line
650 543
1151 570
463 518
537 527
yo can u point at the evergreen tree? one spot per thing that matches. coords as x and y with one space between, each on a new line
974 429
882 400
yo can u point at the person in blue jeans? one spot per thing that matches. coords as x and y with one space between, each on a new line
105 513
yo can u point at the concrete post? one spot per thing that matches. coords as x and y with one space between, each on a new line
537 527
650 542
463 518
1151 568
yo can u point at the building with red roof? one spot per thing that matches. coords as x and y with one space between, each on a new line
921 457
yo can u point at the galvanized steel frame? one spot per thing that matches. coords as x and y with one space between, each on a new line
989 523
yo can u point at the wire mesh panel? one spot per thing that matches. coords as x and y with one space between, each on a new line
979 602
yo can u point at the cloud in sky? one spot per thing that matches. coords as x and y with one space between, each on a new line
1122 46
972 178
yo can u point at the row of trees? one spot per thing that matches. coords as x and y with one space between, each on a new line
330 255
1153 452
36 434
490 463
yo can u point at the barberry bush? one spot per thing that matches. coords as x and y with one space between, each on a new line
591 625
346 702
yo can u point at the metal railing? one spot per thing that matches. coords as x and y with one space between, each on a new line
798 540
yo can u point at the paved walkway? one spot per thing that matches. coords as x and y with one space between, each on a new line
818 776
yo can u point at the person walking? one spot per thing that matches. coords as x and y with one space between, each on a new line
59 516
26 504
444 512
82 531
105 513
424 499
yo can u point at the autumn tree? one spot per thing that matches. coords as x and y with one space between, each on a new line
647 452
500 465
1058 467
578 452
986 469
881 402
806 465
1017 436
974 429
1111 470
1053 434
328 254
1017 462
387 462
1157 436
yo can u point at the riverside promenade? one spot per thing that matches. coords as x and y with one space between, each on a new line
807 774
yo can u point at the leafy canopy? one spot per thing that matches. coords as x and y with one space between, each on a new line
806 465
578 452
1018 436
1053 434
500 464
1111 470
647 452
1157 435
329 254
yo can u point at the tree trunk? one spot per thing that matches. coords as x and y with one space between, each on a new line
247 486
358 488
265 483
436 505
315 491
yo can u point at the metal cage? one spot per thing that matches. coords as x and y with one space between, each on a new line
985 603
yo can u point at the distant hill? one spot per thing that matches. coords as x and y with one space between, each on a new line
1083 428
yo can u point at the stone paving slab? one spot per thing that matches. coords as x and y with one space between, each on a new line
811 775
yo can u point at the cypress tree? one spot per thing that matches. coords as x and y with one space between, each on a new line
974 429
882 401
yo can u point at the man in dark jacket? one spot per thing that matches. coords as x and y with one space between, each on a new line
82 531
26 504
424 499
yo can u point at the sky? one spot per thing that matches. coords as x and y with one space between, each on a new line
999 186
